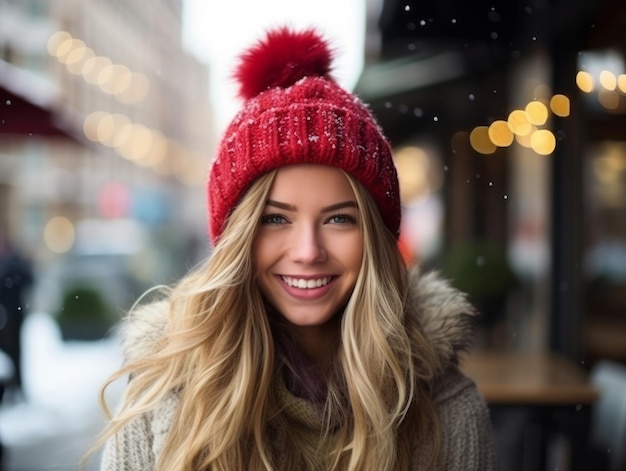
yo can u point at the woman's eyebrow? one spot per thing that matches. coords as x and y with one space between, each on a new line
335 207
278 204
326 209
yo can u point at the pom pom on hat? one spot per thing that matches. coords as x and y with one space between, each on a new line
281 59
295 113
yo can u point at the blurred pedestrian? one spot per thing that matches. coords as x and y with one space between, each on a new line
303 342
16 278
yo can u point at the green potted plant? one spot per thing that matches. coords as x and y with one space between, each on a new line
482 270
84 314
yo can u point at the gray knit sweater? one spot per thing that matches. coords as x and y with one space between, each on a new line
446 320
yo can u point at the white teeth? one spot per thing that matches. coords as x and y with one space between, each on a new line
305 284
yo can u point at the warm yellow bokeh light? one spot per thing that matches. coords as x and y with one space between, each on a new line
115 79
480 141
106 129
536 112
584 81
75 55
118 123
608 80
93 67
158 150
543 142
524 140
121 137
105 75
90 125
64 49
500 134
608 169
518 123
122 78
70 50
608 99
75 67
138 143
413 167
621 83
560 105
59 234
56 39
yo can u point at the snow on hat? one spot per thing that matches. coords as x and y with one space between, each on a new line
295 113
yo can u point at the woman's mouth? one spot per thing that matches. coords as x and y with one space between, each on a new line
309 283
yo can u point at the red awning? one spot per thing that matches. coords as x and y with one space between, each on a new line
27 105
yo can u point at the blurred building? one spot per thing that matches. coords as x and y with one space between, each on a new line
105 129
508 121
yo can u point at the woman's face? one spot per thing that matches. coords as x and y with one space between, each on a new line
309 246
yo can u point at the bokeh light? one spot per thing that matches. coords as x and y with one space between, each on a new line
75 66
537 112
584 81
55 41
480 141
609 99
608 80
413 168
90 125
518 123
560 105
92 68
138 143
543 142
129 87
524 140
621 83
500 134
59 234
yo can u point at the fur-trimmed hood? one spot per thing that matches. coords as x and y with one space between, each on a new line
443 312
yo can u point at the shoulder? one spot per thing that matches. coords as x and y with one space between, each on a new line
139 443
143 328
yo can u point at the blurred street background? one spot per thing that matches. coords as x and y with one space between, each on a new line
508 123
58 418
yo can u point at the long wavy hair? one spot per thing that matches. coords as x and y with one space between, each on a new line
219 355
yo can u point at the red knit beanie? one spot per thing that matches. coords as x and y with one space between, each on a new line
295 113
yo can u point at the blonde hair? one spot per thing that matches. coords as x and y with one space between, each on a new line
218 353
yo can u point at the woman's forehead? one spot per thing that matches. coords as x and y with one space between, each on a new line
306 180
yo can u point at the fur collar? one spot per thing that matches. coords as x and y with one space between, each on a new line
444 314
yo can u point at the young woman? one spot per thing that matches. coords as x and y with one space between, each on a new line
303 343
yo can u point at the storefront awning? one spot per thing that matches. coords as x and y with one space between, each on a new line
382 80
27 106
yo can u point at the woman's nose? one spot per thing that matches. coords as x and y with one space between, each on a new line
307 246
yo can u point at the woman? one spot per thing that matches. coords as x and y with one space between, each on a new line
303 343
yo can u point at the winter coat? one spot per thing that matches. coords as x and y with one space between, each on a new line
446 320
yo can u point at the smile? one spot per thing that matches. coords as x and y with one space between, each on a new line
306 284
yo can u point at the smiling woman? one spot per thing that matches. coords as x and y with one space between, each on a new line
303 342
308 253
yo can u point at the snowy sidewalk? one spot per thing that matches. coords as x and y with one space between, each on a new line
60 417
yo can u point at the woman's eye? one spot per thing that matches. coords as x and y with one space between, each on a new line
342 219
273 219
